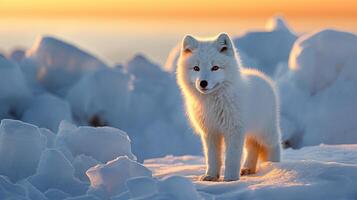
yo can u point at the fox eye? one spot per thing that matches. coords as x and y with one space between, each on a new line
215 68
196 68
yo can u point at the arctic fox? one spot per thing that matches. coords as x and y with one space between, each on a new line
229 106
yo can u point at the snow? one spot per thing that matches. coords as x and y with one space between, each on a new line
60 64
21 145
102 95
78 139
55 194
156 113
304 173
109 179
9 190
318 98
265 50
17 55
50 137
47 111
12 99
55 171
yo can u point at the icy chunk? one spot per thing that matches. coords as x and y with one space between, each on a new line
9 190
47 111
17 55
101 98
106 143
266 48
109 179
59 64
81 164
84 197
21 145
14 93
55 171
277 23
32 192
55 194
50 136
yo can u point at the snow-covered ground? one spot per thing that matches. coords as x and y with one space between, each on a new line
319 172
55 98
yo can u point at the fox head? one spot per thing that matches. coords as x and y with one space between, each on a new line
205 66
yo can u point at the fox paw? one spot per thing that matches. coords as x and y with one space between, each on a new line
246 171
229 179
209 178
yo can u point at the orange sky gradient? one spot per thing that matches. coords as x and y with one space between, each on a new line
179 8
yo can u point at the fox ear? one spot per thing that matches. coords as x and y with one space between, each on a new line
224 44
189 44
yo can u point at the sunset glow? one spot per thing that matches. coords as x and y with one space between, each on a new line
179 8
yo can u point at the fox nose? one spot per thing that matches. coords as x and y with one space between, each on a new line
203 84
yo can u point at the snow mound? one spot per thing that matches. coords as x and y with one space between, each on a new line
101 98
142 186
59 64
171 187
264 50
109 179
47 111
303 174
277 23
106 143
318 98
14 92
56 172
141 67
21 145
318 59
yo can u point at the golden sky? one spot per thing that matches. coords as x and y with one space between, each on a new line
179 8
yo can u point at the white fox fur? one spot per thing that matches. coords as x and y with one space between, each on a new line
235 107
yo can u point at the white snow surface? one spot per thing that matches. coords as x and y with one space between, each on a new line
319 172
